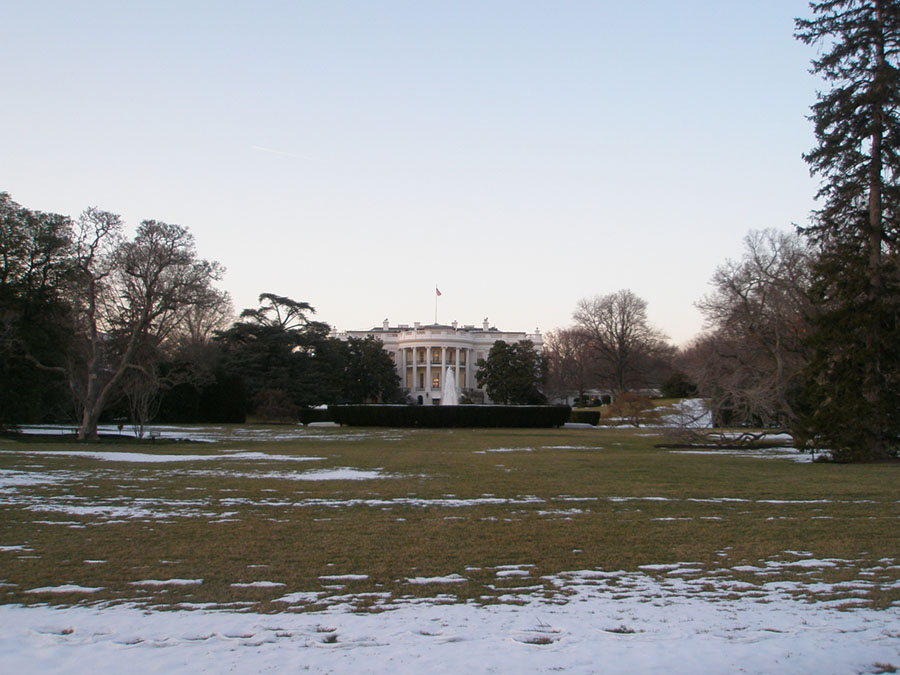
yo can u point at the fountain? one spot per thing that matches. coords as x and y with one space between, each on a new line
449 392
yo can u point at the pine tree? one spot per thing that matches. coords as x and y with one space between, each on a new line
850 399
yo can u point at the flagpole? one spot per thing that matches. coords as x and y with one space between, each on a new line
436 295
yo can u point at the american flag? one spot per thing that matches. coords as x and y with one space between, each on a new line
437 291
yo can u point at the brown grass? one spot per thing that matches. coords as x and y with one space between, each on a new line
615 503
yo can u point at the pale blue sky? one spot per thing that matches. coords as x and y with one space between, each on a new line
521 155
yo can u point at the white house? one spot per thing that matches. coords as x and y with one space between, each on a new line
422 354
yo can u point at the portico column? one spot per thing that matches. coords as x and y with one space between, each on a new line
428 371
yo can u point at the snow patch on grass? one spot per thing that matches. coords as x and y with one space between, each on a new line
167 582
66 588
501 450
258 584
449 579
344 473
787 453
162 458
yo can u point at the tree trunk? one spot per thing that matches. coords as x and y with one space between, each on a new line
872 381
90 418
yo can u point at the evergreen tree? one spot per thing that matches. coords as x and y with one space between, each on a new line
850 401
34 315
512 374
273 349
370 373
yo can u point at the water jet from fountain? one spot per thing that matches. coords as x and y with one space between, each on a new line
449 392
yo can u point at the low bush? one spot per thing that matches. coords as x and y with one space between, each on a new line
307 415
275 406
591 417
632 408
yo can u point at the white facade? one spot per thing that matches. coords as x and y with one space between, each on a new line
422 354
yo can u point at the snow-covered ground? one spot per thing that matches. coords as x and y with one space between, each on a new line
209 433
690 413
602 622
786 452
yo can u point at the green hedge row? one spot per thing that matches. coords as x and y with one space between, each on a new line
585 417
307 415
434 416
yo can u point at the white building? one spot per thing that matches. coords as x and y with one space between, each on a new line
422 354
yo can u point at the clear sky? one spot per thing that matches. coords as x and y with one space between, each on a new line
352 154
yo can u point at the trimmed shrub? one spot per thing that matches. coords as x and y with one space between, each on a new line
448 416
307 415
591 417
275 406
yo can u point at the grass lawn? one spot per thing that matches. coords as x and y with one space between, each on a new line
365 517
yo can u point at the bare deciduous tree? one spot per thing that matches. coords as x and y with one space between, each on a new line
621 337
212 314
757 315
567 353
128 296
141 387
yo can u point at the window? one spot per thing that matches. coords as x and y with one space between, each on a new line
436 382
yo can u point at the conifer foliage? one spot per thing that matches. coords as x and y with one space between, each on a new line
850 400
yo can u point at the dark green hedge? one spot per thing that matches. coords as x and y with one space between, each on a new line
434 416
307 415
585 417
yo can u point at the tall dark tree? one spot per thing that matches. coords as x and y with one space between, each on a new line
851 399
370 373
512 373
273 349
34 333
